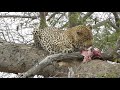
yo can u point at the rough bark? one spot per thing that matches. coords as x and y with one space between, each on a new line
56 57
18 58
49 60
73 18
42 20
25 59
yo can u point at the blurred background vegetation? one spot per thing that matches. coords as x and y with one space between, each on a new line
17 27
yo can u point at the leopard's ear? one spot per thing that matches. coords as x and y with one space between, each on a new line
89 26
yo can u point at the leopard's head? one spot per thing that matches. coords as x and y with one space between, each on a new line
82 36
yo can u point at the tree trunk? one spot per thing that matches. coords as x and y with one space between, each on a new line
73 19
42 20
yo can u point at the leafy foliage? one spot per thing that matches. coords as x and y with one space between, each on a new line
17 27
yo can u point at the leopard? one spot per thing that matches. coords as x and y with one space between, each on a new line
54 40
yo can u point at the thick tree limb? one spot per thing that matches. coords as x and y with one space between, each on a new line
49 60
18 58
56 57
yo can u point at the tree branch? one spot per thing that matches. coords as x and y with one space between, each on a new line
58 19
52 16
20 58
101 23
3 36
87 15
17 16
49 60
56 57
104 22
116 18
114 26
